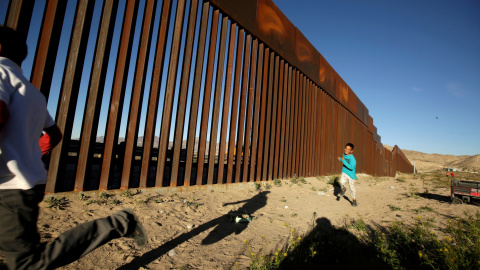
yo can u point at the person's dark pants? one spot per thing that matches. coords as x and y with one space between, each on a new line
20 240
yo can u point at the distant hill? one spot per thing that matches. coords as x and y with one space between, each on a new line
431 162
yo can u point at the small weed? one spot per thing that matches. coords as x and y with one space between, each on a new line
394 208
116 202
83 197
127 193
424 209
314 189
257 186
60 204
104 195
293 215
294 180
277 182
267 186
302 180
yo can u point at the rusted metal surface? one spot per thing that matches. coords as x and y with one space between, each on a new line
216 105
137 93
233 118
282 113
196 93
268 119
207 96
241 117
118 92
290 113
273 135
254 160
95 93
69 92
48 46
155 88
169 94
261 127
248 128
287 116
278 125
19 15
226 103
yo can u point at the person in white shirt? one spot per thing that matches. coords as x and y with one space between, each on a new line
23 117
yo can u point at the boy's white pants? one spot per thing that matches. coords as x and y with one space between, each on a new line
351 182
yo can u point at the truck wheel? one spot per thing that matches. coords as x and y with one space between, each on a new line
457 201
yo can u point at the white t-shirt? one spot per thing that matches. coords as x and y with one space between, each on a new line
21 166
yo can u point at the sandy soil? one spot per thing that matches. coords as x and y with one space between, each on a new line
192 230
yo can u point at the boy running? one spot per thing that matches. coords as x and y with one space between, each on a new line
348 172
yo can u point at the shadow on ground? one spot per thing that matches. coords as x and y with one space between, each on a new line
222 228
335 249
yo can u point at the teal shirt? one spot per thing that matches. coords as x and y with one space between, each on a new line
349 165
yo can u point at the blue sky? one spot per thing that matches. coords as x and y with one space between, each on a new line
408 61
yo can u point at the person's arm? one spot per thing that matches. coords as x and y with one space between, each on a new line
351 166
50 139
4 115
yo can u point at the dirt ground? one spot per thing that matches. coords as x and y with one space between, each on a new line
192 229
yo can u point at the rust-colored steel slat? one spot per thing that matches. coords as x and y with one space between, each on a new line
19 16
298 160
318 119
251 92
323 144
287 116
137 93
296 93
241 117
153 98
268 121
338 135
283 124
216 106
310 145
69 91
47 47
274 120
331 136
261 131
278 125
236 92
118 92
290 120
95 93
258 90
168 100
325 133
207 96
226 103
197 81
305 116
305 138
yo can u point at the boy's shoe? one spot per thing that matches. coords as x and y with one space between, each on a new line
342 193
139 234
354 203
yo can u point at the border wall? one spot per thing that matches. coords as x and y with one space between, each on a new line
185 92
